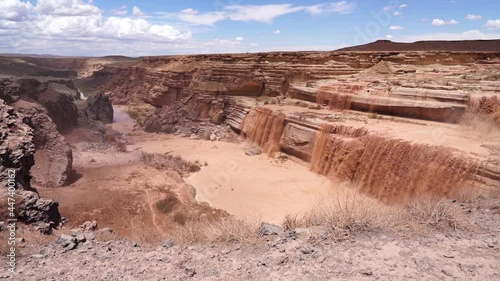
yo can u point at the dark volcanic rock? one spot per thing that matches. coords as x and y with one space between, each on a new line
16 146
100 108
53 156
17 153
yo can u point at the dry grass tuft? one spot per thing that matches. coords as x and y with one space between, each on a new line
170 162
168 204
350 214
437 214
113 137
222 229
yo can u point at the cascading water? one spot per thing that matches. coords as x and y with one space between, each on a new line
264 127
389 169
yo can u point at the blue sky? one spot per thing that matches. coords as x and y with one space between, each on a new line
136 28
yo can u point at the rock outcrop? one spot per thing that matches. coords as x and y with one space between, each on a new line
99 108
17 154
53 155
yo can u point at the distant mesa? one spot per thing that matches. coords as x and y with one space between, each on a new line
449 46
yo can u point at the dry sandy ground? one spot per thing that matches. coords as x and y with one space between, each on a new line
254 188
119 191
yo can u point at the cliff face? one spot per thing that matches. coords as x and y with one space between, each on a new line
17 154
324 89
299 93
393 83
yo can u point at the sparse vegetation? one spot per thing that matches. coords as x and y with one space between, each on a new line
439 214
221 229
353 214
169 162
113 137
168 204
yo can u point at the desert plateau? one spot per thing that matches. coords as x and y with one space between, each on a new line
379 161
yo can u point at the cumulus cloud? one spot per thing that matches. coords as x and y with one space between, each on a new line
277 31
396 27
75 27
473 17
440 22
493 24
138 12
66 8
239 38
397 13
402 6
388 36
14 10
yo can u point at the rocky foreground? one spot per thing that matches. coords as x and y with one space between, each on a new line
301 254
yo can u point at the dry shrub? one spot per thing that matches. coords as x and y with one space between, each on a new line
221 229
168 204
169 162
435 213
113 137
136 114
350 214
354 213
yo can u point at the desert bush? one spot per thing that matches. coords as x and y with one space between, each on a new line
435 213
169 162
348 215
220 229
168 204
135 113
113 137
352 214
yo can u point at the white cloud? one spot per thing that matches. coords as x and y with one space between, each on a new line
398 13
197 18
396 27
138 12
277 31
254 44
258 13
14 10
402 6
493 24
122 11
440 22
342 7
239 38
79 28
467 35
264 13
389 36
66 8
473 17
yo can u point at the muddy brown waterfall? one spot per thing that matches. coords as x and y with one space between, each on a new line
389 169
264 127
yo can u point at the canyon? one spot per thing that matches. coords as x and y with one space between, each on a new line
151 146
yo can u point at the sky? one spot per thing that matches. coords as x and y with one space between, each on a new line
164 27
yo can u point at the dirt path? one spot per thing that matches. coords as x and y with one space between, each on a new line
153 213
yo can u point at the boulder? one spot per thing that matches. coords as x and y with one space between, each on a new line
53 157
100 108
